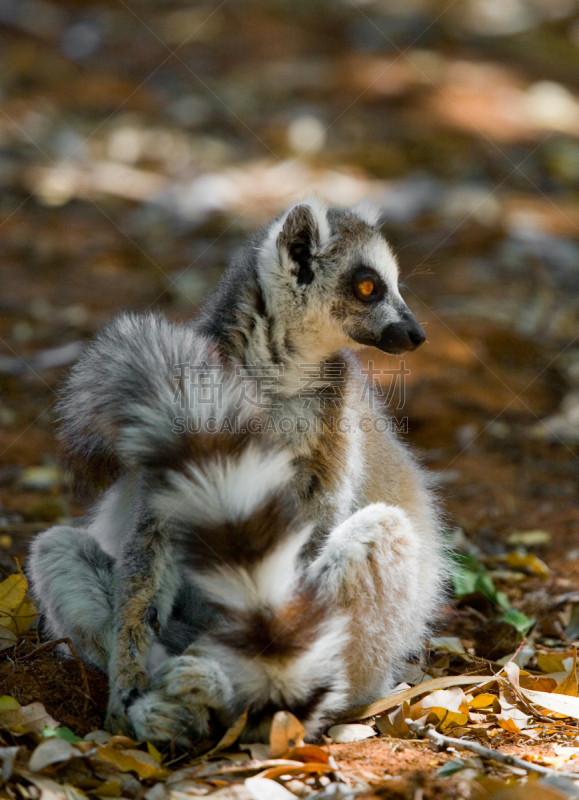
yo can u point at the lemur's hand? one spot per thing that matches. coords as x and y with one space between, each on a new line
116 721
196 681
120 700
188 692
154 717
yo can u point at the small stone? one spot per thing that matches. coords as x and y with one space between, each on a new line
342 734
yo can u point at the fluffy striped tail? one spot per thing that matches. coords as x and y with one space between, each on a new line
238 534
117 407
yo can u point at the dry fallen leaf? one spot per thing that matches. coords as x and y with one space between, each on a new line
24 616
286 733
540 683
12 592
257 750
394 724
529 561
483 700
51 751
511 718
51 790
552 662
447 644
7 637
32 718
8 703
210 769
17 611
8 757
568 685
448 705
560 704
154 753
231 735
111 788
309 753
143 764
298 769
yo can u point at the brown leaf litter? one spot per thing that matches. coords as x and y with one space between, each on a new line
52 744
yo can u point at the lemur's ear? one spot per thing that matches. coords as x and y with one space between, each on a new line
304 230
367 211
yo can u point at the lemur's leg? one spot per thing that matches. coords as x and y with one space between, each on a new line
188 689
72 580
370 567
146 583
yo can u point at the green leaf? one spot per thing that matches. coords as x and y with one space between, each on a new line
502 601
485 584
451 767
62 733
465 561
464 582
518 620
470 576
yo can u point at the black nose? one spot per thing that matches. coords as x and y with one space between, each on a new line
416 336
399 337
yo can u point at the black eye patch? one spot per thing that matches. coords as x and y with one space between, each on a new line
367 285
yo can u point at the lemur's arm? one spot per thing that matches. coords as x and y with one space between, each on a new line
146 582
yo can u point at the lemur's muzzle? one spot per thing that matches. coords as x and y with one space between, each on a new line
399 337
396 337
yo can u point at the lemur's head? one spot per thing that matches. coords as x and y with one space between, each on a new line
332 275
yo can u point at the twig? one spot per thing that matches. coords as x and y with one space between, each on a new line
442 742
569 597
68 642
517 651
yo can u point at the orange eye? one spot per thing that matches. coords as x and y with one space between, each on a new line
366 287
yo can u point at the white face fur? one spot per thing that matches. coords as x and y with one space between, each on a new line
331 281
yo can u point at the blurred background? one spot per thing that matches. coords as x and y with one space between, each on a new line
140 142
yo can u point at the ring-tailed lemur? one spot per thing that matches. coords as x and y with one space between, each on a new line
292 568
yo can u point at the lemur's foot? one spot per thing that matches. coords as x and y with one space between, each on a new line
154 717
